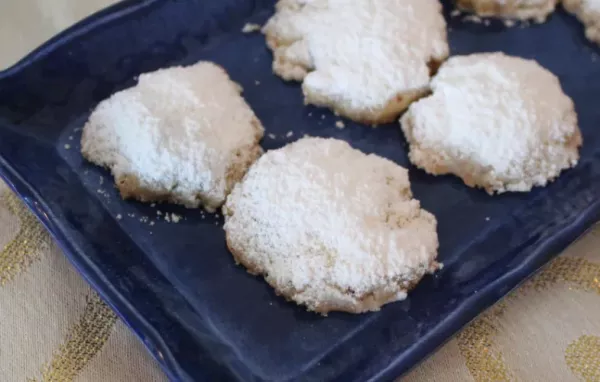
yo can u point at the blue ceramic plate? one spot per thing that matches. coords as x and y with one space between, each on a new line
176 285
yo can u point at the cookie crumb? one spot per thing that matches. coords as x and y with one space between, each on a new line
167 218
509 23
175 218
159 212
473 18
153 205
525 24
101 180
67 146
323 116
144 219
151 222
119 217
289 134
70 137
257 82
487 219
455 13
340 124
251 28
272 136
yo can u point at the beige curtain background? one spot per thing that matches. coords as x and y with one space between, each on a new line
54 328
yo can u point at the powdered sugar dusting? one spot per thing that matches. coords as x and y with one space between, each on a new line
175 137
498 122
357 56
332 228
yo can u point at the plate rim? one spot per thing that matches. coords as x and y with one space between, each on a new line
96 19
92 275
37 205
546 249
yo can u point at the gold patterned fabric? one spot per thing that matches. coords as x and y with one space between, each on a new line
25 247
54 328
546 330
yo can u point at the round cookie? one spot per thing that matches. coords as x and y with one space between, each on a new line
183 135
538 10
588 12
365 59
330 227
498 122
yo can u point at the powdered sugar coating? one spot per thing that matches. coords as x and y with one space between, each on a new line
182 134
499 122
588 11
366 59
538 10
330 227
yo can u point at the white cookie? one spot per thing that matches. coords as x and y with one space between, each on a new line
538 10
588 11
499 122
365 59
183 135
330 227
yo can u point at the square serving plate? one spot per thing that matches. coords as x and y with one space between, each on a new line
177 287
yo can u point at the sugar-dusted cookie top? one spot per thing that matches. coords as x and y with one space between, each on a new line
330 227
366 59
182 134
499 122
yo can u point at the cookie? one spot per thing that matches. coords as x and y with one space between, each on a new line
498 122
331 228
365 59
537 10
183 135
588 12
